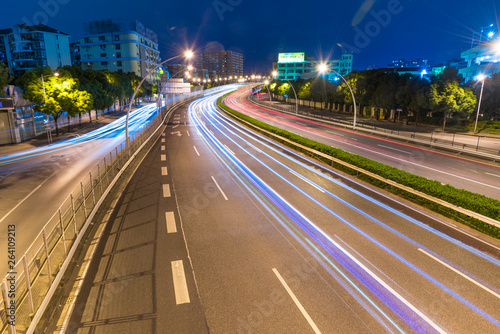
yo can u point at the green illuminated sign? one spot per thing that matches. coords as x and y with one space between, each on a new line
293 57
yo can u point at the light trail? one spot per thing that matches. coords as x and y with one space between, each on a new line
212 117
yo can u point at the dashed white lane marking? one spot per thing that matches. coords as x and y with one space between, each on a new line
164 171
166 190
297 302
394 149
170 220
461 274
223 195
163 157
196 150
162 148
180 285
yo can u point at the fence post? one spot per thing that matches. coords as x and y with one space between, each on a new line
73 211
83 199
6 299
62 232
106 172
92 187
48 255
477 146
99 176
28 283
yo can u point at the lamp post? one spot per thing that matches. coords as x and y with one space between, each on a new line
322 68
49 134
187 54
275 73
481 78
267 86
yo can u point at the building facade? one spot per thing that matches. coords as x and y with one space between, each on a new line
294 65
25 47
219 64
481 59
119 46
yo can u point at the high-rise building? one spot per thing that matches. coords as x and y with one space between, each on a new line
481 59
403 63
294 65
25 47
119 46
219 64
74 49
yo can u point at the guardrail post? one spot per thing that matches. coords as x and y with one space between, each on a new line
28 283
106 172
92 187
6 299
83 199
99 176
73 211
116 154
48 255
62 231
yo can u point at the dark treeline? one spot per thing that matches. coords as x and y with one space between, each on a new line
437 100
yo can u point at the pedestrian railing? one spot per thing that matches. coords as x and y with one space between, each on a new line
27 289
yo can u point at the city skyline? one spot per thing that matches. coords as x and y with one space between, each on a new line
377 32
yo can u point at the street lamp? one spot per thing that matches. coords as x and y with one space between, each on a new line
322 68
480 77
267 86
187 54
49 134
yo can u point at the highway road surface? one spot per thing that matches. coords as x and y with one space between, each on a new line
224 231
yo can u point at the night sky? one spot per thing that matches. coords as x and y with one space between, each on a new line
431 29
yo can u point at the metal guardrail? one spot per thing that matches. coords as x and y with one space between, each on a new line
42 265
430 141
469 213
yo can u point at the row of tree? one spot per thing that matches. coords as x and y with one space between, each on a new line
76 91
440 96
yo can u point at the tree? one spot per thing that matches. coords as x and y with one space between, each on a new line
61 94
4 75
449 97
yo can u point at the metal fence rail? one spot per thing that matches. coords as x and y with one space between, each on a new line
430 140
38 267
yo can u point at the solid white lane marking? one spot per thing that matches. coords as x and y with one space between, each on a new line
394 149
180 285
461 274
223 195
162 148
492 174
305 180
188 133
297 302
166 190
163 157
163 140
196 150
170 219
164 171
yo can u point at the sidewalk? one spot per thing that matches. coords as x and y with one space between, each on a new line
486 142
75 130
